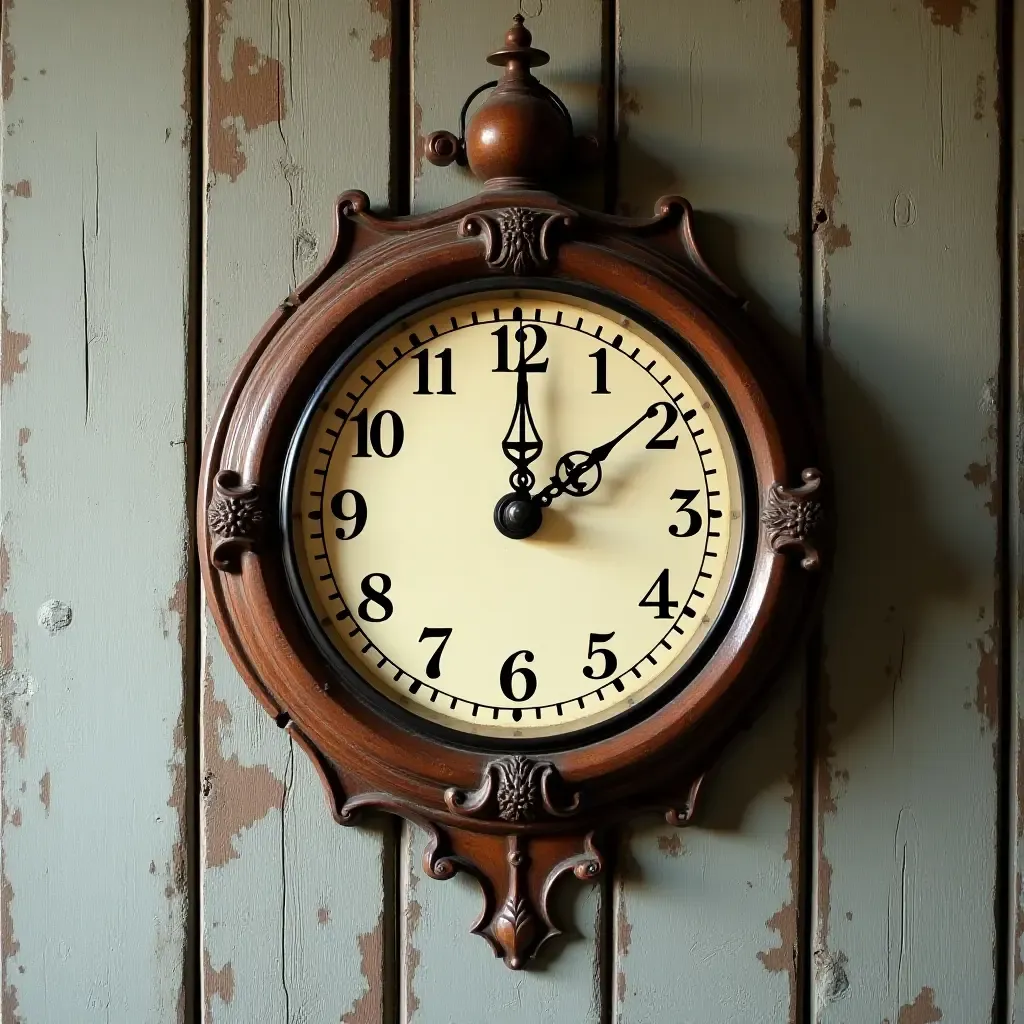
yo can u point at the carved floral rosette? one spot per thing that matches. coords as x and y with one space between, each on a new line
235 519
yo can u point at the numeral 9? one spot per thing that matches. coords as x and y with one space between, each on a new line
357 518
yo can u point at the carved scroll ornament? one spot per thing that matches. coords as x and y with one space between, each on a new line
793 518
235 519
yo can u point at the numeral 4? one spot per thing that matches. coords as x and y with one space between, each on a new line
662 601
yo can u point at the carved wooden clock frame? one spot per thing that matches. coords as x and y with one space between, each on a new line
519 821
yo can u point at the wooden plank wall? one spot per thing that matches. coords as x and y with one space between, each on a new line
166 852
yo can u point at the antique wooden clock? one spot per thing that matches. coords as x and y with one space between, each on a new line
508 517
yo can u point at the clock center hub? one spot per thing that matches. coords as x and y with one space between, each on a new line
517 517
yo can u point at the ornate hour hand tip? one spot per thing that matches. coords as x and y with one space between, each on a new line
522 444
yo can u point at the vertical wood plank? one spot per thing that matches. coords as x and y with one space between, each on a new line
707 920
447 66
94 557
909 302
297 111
1015 442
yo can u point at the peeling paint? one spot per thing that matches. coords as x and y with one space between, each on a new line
9 945
236 796
23 438
323 915
44 792
16 817
21 189
380 45
791 13
253 94
833 235
786 920
13 348
948 14
921 1011
986 697
413 915
671 845
8 54
623 929
216 983
369 1007
979 98
18 737
418 140
855 103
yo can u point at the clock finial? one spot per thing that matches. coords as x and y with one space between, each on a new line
522 135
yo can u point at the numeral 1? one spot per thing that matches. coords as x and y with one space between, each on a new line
445 358
601 358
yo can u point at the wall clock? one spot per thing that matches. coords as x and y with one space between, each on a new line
508 516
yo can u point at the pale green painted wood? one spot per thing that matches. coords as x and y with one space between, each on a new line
709 107
447 66
95 274
292 903
909 306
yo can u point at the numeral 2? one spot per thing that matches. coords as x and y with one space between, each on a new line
671 415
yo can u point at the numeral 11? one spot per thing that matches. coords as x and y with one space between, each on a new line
423 358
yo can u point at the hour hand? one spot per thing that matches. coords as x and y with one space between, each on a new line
522 444
579 473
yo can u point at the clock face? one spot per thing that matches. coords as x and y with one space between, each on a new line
515 514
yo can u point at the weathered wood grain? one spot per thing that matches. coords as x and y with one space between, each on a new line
93 562
298 102
1014 254
706 920
439 953
908 298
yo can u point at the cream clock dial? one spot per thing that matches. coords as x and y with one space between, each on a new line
515 514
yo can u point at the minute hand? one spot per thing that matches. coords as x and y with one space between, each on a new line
574 466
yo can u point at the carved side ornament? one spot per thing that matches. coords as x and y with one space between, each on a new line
793 518
236 520
516 240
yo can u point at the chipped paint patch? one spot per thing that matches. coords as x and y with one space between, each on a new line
380 45
13 348
7 55
413 915
833 235
236 796
22 189
948 14
855 103
216 983
253 94
369 1007
623 929
791 11
23 438
44 792
418 140
786 920
18 738
979 98
323 915
671 845
921 1011
9 945
986 696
